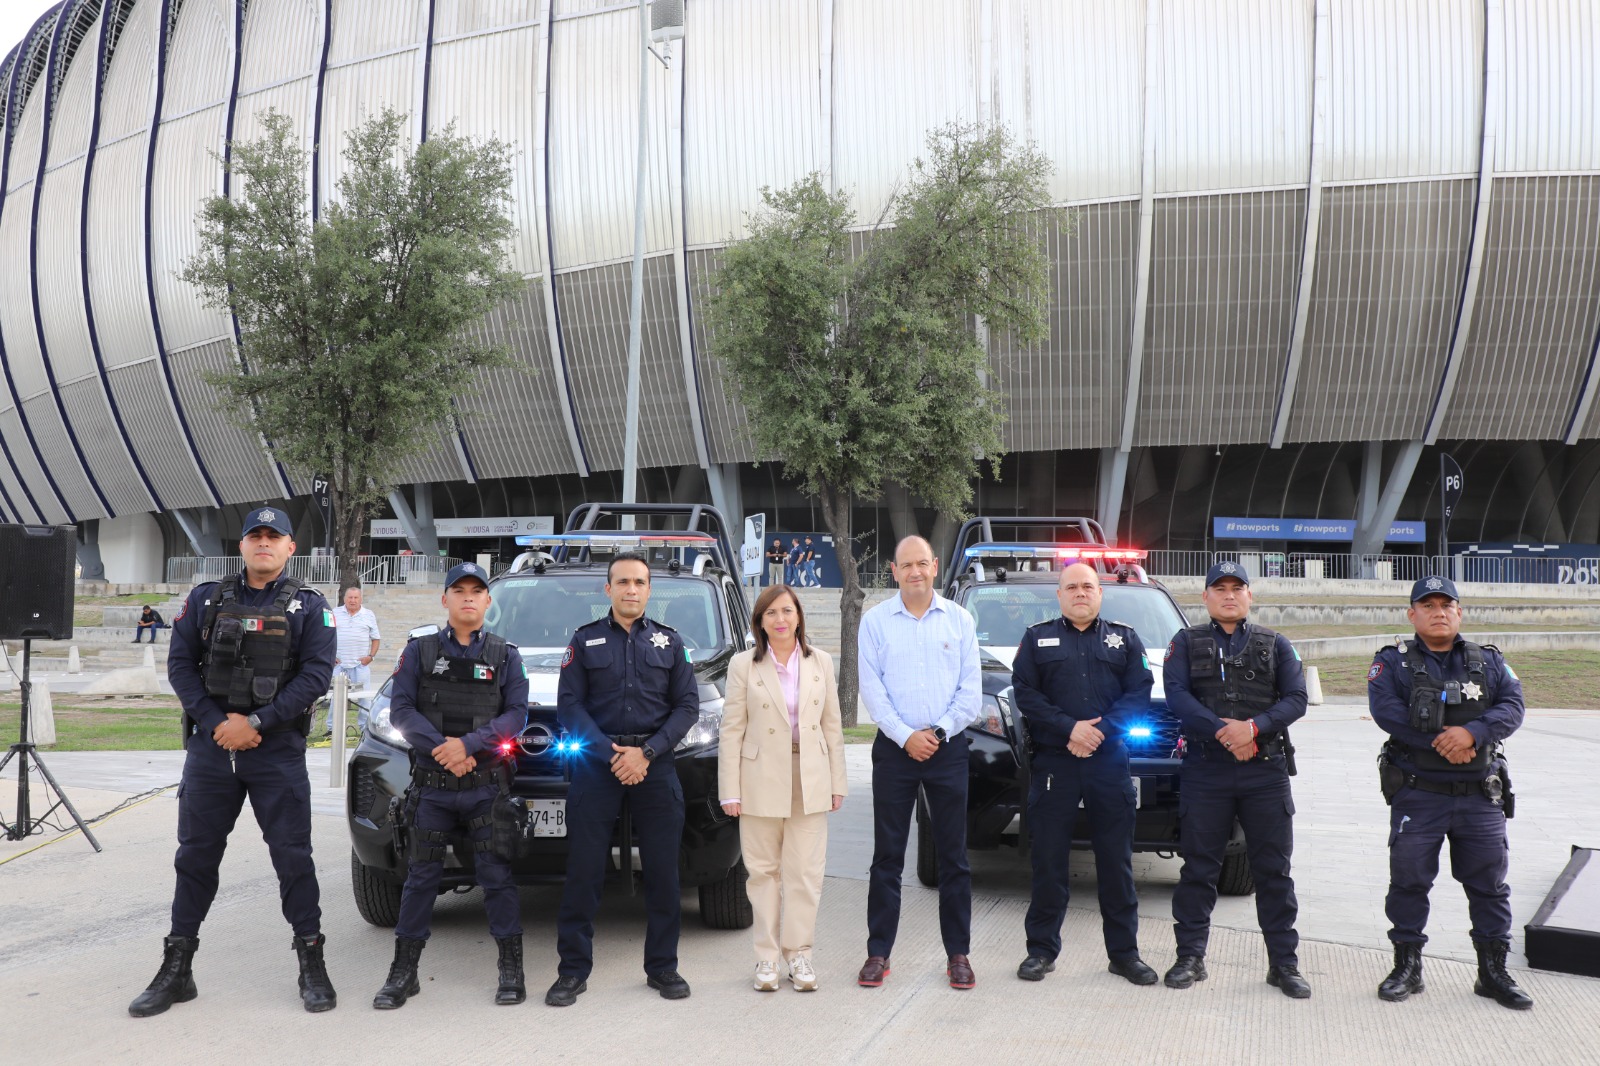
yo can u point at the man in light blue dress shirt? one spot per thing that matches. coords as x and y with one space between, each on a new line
922 685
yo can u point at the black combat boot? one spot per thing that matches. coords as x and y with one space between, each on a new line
1493 981
512 988
402 983
1406 977
174 982
316 991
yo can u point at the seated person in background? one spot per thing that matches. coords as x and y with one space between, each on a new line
149 621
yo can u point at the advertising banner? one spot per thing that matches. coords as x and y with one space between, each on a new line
1319 529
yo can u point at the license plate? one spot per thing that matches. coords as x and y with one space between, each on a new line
548 817
1138 794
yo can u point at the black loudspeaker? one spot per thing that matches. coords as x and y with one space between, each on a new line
37 565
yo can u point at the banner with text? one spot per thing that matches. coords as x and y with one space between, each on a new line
1321 529
444 528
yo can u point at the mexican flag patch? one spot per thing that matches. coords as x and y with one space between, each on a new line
327 619
482 673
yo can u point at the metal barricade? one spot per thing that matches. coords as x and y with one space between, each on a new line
1165 562
1319 565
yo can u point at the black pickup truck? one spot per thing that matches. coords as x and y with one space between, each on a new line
548 592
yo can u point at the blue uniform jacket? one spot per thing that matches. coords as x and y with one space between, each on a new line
1063 675
1389 698
421 734
1201 721
311 642
619 682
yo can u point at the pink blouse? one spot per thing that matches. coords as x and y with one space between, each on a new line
789 678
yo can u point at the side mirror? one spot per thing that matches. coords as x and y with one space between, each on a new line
749 639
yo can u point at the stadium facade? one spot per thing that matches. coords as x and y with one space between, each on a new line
1315 242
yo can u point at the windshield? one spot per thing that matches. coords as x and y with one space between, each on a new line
1002 612
541 611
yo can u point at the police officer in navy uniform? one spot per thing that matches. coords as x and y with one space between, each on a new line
1081 681
459 698
1446 704
1236 687
628 695
250 655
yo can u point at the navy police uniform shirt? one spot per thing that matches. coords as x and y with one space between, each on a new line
1389 697
311 643
1063 675
621 682
1201 721
420 733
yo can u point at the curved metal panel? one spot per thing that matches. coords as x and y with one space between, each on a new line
752 71
1084 60
512 415
1538 312
114 265
1552 103
1407 89
1222 285
727 421
594 66
1235 95
280 45
460 17
594 322
1067 391
900 69
357 89
1389 264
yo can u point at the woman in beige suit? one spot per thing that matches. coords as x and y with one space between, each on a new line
781 772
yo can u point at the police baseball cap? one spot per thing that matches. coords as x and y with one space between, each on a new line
1222 570
267 518
466 570
1433 586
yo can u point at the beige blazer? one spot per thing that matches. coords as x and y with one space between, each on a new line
756 759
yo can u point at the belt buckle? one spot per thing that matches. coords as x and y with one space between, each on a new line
794 747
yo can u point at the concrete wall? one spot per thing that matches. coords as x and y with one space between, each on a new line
131 548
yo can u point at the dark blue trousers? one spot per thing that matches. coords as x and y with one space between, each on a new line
1419 824
442 811
896 777
1216 791
1102 781
594 803
273 777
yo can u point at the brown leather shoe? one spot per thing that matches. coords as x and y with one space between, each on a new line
873 971
960 971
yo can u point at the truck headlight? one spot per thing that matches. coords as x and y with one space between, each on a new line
706 730
378 725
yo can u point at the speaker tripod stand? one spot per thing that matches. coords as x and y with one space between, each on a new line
25 825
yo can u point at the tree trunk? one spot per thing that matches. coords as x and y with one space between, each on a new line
349 515
836 512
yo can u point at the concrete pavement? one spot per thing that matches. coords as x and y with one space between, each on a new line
81 933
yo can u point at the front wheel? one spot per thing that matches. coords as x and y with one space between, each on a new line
377 896
724 903
1236 878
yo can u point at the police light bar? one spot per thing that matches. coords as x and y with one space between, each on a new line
1055 551
615 541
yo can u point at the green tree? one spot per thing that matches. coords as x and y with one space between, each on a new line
352 326
860 369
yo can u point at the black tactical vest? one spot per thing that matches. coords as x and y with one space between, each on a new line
1240 687
1426 691
459 695
248 652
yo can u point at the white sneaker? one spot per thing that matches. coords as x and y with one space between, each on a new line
766 977
802 975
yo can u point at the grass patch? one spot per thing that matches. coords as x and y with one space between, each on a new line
1378 633
85 724
1549 678
860 734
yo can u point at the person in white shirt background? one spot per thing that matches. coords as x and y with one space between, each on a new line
357 631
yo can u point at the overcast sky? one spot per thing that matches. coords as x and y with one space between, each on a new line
16 16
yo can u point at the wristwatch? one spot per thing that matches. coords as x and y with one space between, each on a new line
938 731
255 721
649 753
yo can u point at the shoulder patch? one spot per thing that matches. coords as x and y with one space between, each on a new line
1512 674
327 619
1170 645
1377 668
566 660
